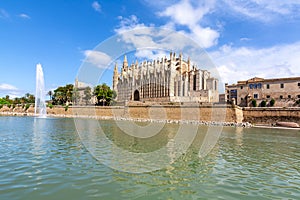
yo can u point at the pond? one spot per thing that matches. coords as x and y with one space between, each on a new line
54 158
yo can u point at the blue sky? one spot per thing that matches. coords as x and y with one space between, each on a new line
243 38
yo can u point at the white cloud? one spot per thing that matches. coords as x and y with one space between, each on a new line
7 87
190 15
141 36
263 10
97 58
184 13
129 23
24 16
245 39
244 63
148 54
96 6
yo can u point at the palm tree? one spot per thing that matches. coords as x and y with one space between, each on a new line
50 93
104 94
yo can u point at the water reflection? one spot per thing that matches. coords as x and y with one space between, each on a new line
239 136
39 136
111 146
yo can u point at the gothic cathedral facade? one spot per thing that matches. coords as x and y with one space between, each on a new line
165 80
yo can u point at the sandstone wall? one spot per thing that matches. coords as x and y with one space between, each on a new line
271 115
219 113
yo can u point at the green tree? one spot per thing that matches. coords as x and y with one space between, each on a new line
272 102
30 98
63 95
263 103
50 94
104 94
87 95
254 104
4 101
17 100
75 96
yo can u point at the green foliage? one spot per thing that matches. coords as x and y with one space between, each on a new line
272 102
28 98
263 104
50 105
63 94
27 106
254 103
87 95
104 94
66 108
4 101
9 105
13 106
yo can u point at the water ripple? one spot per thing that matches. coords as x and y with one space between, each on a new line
45 159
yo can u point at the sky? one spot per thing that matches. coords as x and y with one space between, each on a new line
243 39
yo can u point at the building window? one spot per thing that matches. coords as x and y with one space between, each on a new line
268 96
281 97
242 87
194 82
299 84
227 96
255 96
259 85
281 85
216 84
289 96
242 99
268 86
299 96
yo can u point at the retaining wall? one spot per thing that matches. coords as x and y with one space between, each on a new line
272 115
217 113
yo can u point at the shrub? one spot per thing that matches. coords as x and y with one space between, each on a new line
14 105
50 105
263 104
27 106
9 105
254 103
272 102
66 108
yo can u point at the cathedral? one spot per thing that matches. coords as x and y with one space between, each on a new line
165 80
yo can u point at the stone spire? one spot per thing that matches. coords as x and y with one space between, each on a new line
125 63
115 78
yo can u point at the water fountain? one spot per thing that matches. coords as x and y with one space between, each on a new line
40 105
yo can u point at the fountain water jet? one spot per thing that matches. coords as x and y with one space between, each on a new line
40 105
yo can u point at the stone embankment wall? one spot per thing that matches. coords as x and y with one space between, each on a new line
269 116
205 113
218 113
